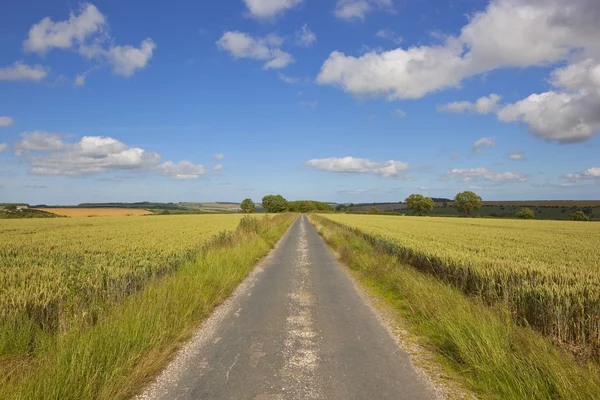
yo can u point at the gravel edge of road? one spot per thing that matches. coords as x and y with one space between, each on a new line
422 359
207 328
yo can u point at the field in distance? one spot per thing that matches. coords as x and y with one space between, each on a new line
95 212
546 272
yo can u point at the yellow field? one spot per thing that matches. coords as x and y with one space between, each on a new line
547 272
96 212
57 271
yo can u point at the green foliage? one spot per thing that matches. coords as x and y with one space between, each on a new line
248 206
417 204
467 202
374 210
304 206
526 213
13 213
274 204
579 216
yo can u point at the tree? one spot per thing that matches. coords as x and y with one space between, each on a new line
417 204
467 202
274 204
526 213
374 210
579 216
248 206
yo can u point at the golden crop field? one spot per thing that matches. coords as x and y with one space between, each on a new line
60 273
547 272
96 212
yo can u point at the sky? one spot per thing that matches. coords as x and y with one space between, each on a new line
332 100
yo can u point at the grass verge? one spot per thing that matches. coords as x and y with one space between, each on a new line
135 339
496 358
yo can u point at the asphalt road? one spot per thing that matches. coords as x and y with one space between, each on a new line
295 329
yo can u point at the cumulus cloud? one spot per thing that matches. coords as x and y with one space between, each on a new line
87 31
483 142
183 170
243 45
218 167
20 71
533 32
389 35
218 156
352 165
47 34
269 8
557 116
79 80
590 173
483 105
6 121
475 174
3 146
50 154
357 9
516 155
305 37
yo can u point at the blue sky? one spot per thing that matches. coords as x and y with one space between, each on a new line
340 100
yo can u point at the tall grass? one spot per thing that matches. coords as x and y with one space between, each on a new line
544 272
132 341
496 358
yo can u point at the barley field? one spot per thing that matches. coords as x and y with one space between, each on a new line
95 212
546 272
60 273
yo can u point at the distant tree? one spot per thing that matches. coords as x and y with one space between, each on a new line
248 206
274 204
374 210
579 216
526 213
467 202
340 207
10 207
417 204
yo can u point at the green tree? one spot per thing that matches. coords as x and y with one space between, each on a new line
248 206
526 213
579 216
274 204
374 210
417 204
467 202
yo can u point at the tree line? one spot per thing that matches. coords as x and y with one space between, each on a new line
278 204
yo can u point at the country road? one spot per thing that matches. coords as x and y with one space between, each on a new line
295 329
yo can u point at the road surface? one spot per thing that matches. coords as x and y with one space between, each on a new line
296 329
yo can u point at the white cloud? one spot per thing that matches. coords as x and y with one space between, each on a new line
3 146
46 34
557 116
399 113
389 35
218 167
483 105
483 142
88 32
305 37
590 173
516 155
6 121
218 156
49 154
125 60
269 8
288 79
20 71
182 170
80 80
352 165
474 174
532 32
242 45
357 9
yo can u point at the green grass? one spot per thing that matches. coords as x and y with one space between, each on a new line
494 357
135 339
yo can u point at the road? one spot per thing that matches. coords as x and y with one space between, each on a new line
295 329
